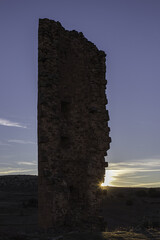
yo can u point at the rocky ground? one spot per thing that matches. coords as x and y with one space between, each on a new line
129 213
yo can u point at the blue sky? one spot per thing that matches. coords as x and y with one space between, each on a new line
128 31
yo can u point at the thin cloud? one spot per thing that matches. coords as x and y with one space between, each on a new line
20 141
18 170
152 184
27 163
141 165
4 144
5 164
130 179
11 171
138 173
8 123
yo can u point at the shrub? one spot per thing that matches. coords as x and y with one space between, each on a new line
120 195
129 202
105 192
141 193
31 203
153 192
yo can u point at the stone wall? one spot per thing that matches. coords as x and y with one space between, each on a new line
73 132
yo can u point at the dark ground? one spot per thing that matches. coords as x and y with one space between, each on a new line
132 208
129 213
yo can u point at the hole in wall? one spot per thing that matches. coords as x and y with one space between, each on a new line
71 189
65 142
65 107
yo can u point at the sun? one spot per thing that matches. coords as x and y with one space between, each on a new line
109 178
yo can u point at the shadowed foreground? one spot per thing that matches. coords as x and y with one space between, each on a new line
129 213
119 235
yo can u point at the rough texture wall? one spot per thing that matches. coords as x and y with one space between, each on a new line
73 132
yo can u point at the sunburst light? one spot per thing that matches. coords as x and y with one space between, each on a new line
109 178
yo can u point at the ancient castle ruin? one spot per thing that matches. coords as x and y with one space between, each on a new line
73 132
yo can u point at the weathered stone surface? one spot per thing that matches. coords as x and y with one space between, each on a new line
73 132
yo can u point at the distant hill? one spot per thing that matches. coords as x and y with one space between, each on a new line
19 183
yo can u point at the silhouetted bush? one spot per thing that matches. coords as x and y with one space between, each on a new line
105 192
19 237
145 224
152 192
129 202
120 195
31 203
155 224
141 193
148 223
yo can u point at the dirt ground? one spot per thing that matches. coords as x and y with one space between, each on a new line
129 213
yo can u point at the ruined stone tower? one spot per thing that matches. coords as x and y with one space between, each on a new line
73 132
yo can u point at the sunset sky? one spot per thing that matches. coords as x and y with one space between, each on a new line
128 31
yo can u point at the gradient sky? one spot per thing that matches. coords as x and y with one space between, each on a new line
128 31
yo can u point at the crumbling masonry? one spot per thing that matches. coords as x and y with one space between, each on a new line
73 132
